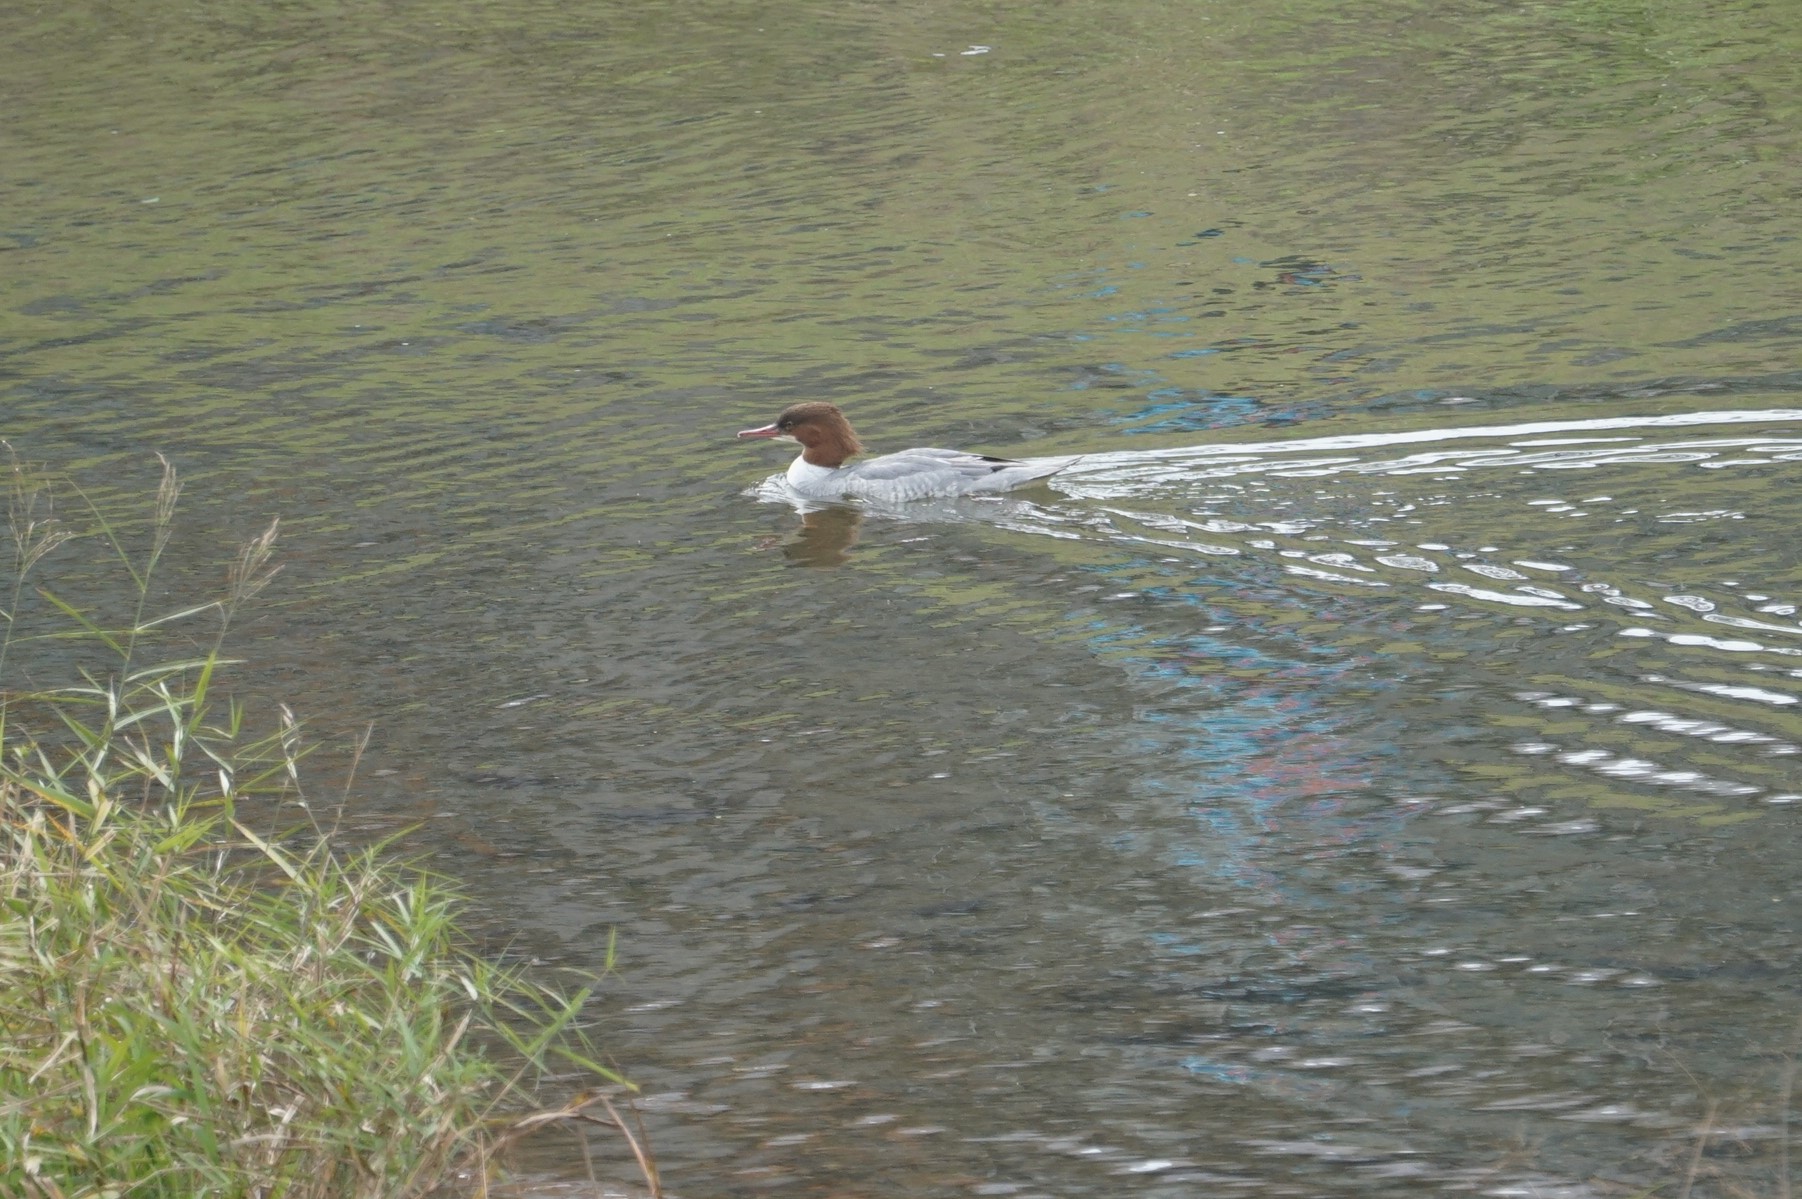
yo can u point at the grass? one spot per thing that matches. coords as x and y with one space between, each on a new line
191 1004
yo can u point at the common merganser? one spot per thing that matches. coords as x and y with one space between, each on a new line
827 441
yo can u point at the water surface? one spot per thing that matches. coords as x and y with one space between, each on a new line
1373 768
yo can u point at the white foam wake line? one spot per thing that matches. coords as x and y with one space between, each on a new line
1361 441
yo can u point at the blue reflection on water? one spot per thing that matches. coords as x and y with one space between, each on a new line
1246 736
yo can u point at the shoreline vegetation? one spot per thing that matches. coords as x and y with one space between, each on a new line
193 1002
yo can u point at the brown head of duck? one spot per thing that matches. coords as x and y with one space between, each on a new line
826 437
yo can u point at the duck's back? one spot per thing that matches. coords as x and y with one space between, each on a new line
928 472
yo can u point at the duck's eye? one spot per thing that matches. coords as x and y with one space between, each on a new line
785 425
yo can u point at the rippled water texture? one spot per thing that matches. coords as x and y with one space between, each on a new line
1372 768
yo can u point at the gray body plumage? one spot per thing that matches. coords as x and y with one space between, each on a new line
920 474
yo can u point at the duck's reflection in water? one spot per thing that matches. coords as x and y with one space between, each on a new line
825 537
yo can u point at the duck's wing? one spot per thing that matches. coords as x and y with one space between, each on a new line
922 473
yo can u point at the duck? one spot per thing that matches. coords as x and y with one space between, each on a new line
828 443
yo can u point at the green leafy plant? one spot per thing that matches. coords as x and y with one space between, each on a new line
190 1005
